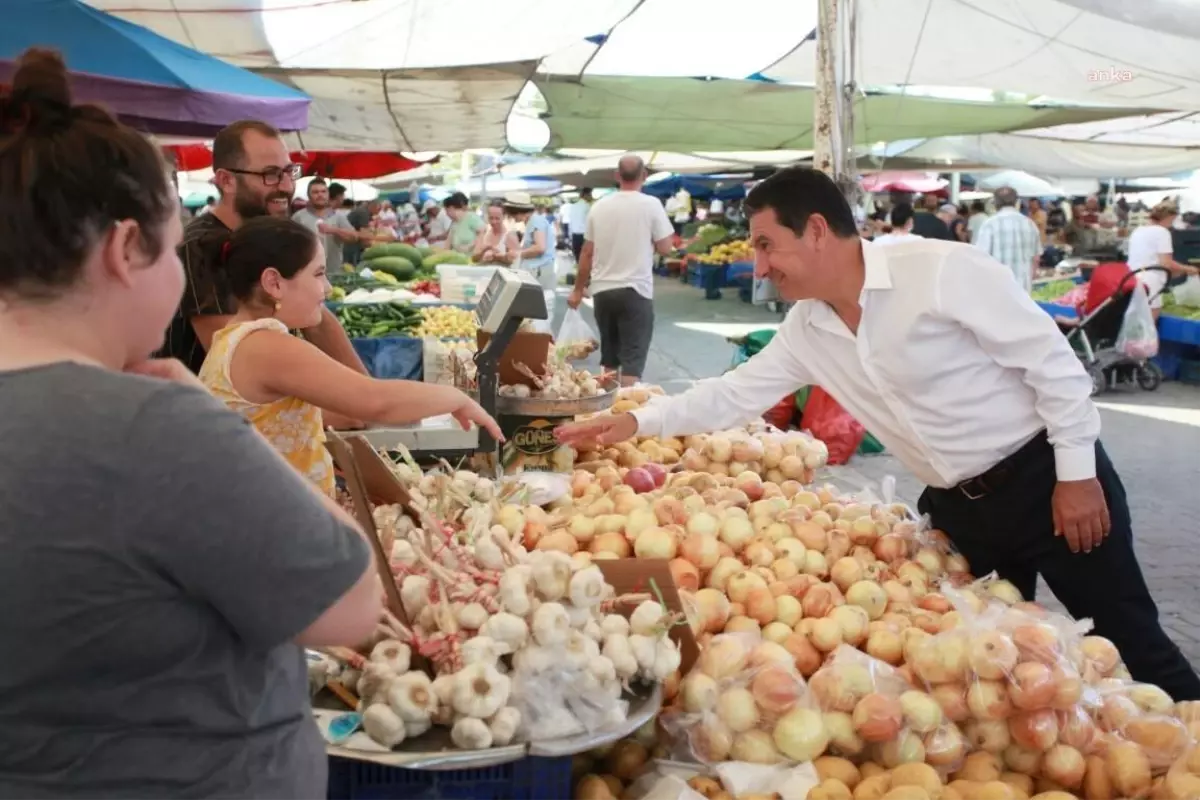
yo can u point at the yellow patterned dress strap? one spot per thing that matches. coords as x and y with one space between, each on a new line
293 426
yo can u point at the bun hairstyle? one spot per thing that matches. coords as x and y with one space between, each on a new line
1163 211
67 174
260 244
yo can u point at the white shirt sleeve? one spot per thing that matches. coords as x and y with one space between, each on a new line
736 397
1164 244
982 297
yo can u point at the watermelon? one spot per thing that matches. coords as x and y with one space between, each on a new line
375 251
405 251
426 251
445 257
396 266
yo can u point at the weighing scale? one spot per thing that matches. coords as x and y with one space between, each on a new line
511 297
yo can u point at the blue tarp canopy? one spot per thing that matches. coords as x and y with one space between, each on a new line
700 187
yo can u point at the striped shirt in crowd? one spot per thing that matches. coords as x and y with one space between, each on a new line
1012 239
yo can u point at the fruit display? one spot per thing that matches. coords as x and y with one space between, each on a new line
363 321
447 322
401 261
516 645
728 253
430 262
706 236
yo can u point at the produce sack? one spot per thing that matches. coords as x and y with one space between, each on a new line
1138 337
826 420
744 701
1188 292
393 357
575 338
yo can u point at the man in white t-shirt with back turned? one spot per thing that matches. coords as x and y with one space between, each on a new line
624 231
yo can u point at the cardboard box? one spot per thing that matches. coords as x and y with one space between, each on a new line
526 347
638 575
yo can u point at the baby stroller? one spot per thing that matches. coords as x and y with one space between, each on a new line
1094 337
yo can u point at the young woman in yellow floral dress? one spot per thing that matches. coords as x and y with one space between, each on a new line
275 270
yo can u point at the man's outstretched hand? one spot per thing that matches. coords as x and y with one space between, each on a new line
608 429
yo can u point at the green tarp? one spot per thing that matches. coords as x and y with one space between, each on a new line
689 115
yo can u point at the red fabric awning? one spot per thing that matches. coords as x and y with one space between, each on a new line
190 157
916 183
353 165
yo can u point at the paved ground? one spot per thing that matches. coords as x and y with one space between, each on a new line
1153 438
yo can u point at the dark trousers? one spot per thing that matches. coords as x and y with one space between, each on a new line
625 321
1011 530
576 245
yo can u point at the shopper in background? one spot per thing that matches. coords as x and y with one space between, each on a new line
329 221
1038 215
975 221
948 214
936 350
496 243
624 231
926 222
163 566
577 215
1151 245
901 226
1011 238
250 165
536 251
465 224
437 224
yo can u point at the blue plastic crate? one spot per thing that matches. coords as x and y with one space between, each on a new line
530 778
1189 372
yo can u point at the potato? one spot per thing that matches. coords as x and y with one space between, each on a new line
979 767
1096 783
830 789
873 788
908 793
838 769
1022 783
920 775
705 785
1128 769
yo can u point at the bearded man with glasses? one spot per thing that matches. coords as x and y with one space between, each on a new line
251 167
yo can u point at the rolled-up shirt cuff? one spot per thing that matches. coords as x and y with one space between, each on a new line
649 420
1075 463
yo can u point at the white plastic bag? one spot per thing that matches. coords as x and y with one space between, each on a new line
575 338
1139 336
1188 292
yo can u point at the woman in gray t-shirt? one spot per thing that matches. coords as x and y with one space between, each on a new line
162 567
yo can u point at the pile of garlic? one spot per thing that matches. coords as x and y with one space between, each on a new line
561 382
500 626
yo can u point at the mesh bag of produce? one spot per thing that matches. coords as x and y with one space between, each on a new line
744 701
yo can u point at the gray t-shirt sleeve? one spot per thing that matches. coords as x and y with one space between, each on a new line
235 525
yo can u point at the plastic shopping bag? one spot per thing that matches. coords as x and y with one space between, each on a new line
1139 336
826 420
1188 292
575 338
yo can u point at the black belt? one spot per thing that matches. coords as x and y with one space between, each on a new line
995 478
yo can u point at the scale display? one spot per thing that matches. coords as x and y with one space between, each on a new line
511 293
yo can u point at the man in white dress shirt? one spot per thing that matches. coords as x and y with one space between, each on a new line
942 356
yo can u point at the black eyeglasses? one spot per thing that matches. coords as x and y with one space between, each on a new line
271 176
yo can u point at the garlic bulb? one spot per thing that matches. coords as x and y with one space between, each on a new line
480 650
472 616
376 678
657 656
414 594
403 553
509 632
480 691
383 725
488 554
615 623
471 734
617 650
646 619
532 659
412 697
581 650
516 591
395 655
587 587
551 625
551 574
504 726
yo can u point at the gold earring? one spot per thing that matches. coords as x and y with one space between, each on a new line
277 306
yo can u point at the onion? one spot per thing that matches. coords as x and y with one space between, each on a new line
1064 765
562 541
698 693
1034 730
613 543
750 484
800 735
760 605
754 747
582 528
726 568
758 554
776 689
655 543
669 510
686 576
719 449
627 759
700 550
713 607
740 584
735 531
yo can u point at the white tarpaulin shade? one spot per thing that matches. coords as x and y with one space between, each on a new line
1132 55
1026 185
1043 156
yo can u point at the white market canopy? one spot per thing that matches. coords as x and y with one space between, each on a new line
438 75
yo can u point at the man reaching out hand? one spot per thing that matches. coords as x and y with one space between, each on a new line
940 354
